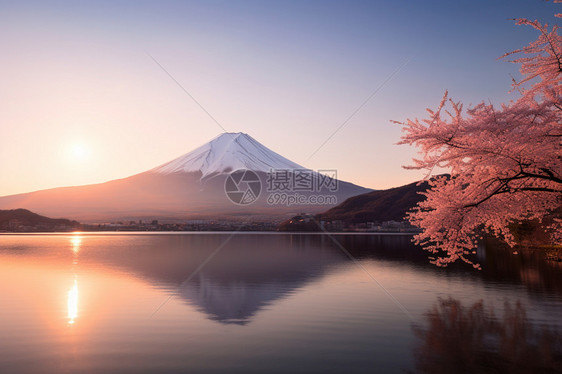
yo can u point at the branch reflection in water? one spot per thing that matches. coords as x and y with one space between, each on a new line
473 339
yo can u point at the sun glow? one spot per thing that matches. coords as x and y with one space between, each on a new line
78 152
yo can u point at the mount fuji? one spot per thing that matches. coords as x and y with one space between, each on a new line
226 153
191 186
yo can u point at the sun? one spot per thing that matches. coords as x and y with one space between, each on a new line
78 152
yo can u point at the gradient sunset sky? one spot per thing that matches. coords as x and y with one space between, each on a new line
83 102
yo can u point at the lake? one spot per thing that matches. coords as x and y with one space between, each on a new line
269 303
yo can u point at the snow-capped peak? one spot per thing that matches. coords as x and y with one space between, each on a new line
225 153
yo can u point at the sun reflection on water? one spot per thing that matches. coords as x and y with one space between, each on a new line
73 303
72 298
76 241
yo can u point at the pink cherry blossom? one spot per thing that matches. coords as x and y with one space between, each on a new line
505 162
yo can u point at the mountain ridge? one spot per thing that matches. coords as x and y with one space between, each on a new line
376 206
191 186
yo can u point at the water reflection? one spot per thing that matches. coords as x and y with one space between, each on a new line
527 267
304 306
76 241
248 274
72 297
499 263
72 303
473 339
254 271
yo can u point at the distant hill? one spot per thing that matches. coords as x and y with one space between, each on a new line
377 206
24 220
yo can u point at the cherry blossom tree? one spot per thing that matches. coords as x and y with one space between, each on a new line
505 162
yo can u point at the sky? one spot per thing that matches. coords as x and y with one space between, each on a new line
85 97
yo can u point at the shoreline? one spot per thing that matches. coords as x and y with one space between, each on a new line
62 233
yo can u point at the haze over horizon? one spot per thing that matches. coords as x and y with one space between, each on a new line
87 104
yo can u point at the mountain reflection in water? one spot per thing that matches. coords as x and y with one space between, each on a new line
250 271
253 271
170 302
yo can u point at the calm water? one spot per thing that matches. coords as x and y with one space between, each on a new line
257 303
